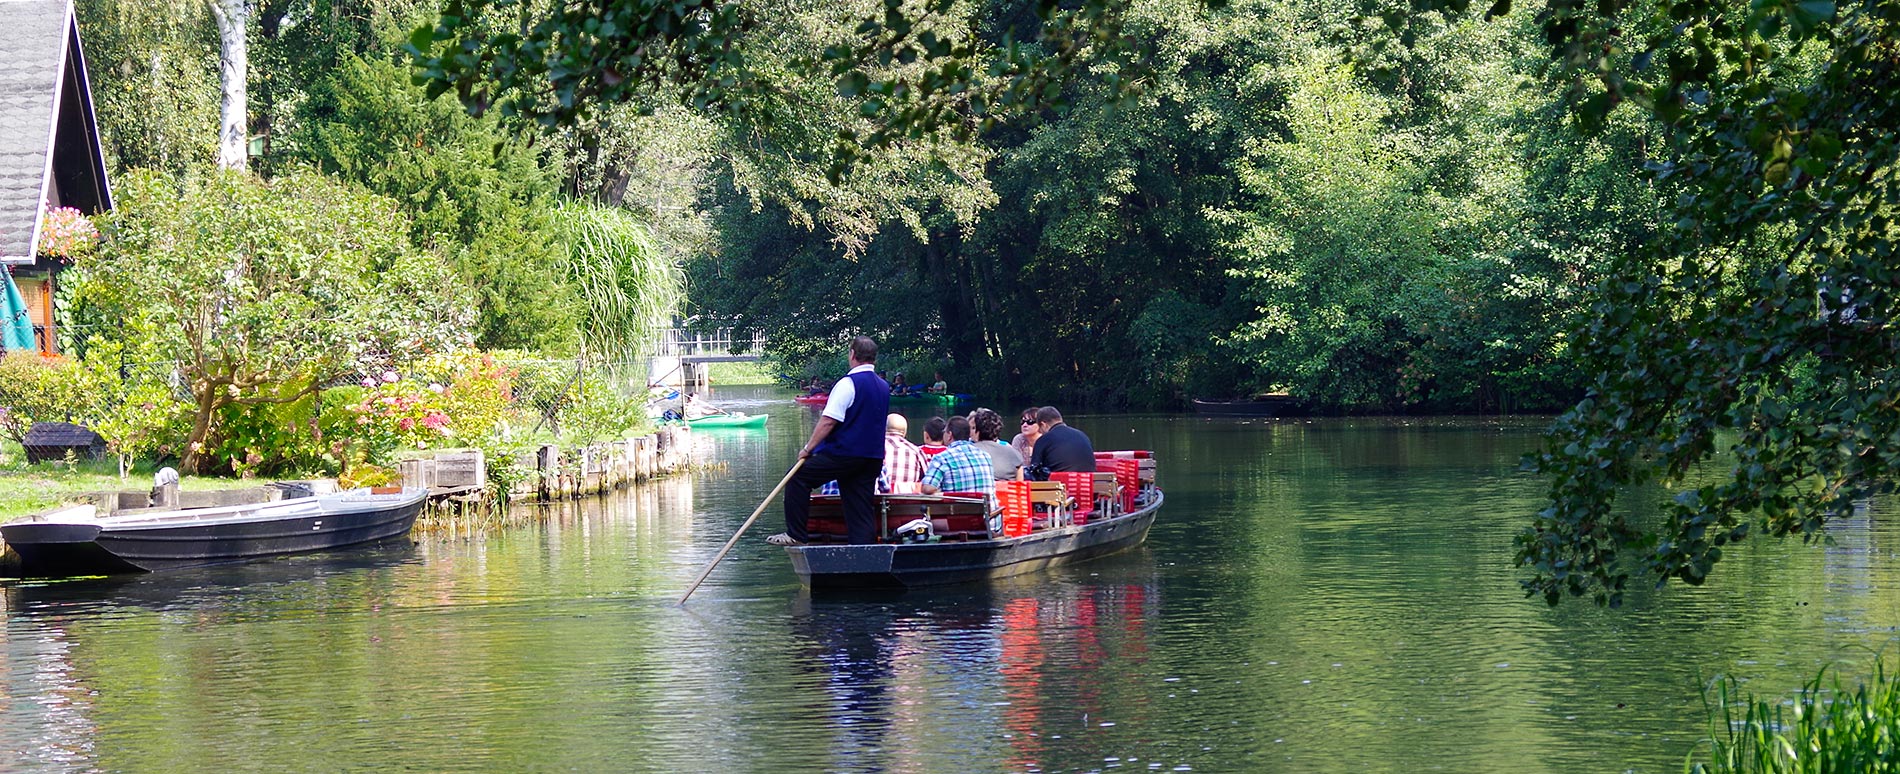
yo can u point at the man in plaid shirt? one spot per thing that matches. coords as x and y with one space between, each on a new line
963 467
903 464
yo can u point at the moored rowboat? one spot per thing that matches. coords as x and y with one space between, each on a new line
77 541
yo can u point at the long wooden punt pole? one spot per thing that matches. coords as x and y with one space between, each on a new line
742 528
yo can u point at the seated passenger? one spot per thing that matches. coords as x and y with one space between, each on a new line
940 387
936 437
1061 448
988 427
698 408
903 464
1025 442
962 467
898 387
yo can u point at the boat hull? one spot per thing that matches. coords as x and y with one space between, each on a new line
929 399
714 423
56 549
1244 408
899 566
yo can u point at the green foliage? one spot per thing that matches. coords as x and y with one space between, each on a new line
1767 312
1826 728
153 66
250 286
477 194
34 388
915 69
629 288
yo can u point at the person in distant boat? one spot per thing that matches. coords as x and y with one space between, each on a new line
1025 442
988 426
698 408
1061 448
847 445
936 437
940 387
961 468
898 387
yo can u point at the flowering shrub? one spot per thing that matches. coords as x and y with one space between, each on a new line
459 399
65 233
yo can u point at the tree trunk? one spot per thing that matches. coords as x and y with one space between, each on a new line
233 17
200 429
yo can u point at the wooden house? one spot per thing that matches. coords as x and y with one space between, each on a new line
50 154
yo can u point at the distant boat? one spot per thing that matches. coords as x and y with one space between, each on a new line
77 541
814 400
717 421
945 400
1267 405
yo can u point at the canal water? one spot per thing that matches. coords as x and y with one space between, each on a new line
1317 596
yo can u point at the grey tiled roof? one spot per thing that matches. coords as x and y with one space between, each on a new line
30 58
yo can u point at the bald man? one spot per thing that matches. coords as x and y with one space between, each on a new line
903 462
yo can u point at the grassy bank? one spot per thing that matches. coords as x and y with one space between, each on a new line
736 374
27 488
1824 728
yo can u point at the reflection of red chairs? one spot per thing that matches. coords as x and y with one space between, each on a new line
1081 488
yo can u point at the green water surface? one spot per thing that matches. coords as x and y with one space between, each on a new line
1317 596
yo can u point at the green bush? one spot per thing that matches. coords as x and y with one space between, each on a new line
35 388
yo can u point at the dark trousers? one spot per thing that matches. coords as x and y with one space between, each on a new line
857 481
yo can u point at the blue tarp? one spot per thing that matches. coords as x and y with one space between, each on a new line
16 329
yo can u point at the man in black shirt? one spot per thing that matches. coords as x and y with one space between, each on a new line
1061 448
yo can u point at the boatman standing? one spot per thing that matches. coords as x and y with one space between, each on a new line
847 445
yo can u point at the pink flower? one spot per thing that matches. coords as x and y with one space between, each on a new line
368 383
406 424
390 377
436 420
435 387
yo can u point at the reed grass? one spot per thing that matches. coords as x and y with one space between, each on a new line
1824 729
629 288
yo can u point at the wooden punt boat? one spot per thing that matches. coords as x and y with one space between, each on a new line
965 555
77 541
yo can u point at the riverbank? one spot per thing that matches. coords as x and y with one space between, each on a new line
26 489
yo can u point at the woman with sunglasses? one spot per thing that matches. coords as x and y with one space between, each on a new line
1025 441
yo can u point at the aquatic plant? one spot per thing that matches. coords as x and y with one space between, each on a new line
1824 728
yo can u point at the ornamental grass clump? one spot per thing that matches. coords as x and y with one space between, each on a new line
1824 729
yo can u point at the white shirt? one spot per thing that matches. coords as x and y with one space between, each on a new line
843 394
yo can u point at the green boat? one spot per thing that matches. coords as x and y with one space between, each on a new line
724 420
929 399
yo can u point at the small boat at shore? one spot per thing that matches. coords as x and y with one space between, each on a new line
78 541
1267 405
817 399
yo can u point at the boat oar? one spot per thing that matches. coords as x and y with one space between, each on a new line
742 528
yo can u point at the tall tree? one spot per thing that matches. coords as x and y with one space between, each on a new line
234 65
